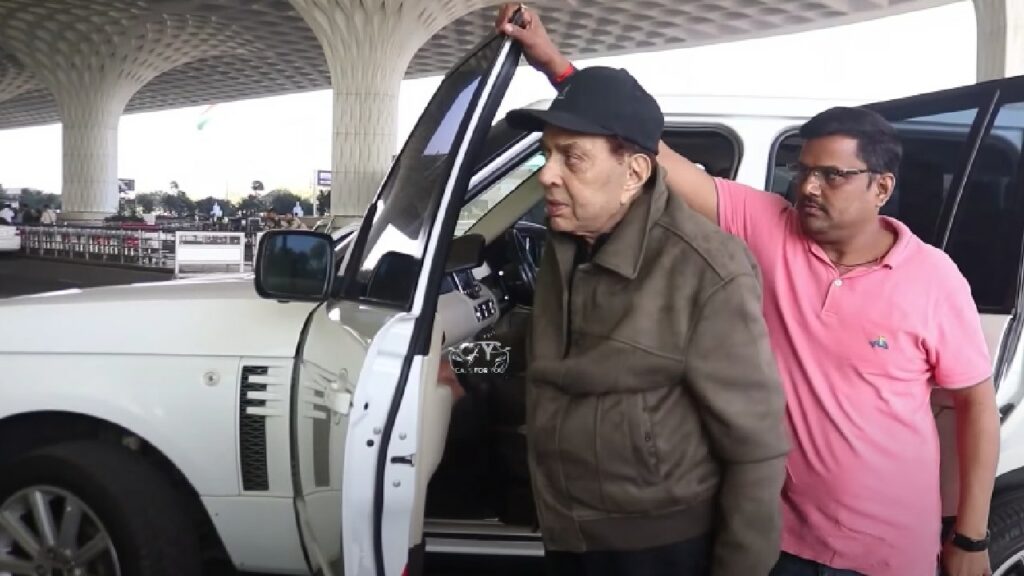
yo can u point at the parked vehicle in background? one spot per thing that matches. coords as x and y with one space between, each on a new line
10 237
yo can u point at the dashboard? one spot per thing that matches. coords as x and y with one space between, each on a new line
466 306
461 281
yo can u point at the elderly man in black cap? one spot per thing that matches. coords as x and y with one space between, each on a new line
654 407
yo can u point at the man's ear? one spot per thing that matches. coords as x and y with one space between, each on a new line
638 171
886 185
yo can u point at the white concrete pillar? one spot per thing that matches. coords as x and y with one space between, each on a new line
89 120
1000 38
93 57
365 117
368 45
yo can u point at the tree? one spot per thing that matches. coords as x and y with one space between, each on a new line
31 198
250 205
283 201
179 204
36 199
149 201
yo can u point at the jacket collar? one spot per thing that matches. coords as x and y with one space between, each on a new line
624 249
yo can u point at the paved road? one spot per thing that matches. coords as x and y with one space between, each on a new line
22 276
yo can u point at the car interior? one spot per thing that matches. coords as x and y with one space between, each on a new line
483 475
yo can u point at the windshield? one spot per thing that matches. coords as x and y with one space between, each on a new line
389 261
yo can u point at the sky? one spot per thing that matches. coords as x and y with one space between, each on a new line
283 140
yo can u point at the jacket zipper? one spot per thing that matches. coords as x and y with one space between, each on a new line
568 313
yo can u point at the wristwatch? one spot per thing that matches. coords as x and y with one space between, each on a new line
970 544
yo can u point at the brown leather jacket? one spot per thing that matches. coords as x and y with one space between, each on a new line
654 406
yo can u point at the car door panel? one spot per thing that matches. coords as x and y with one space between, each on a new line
435 409
330 355
979 226
368 366
386 355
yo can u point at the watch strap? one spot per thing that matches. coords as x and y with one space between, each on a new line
970 544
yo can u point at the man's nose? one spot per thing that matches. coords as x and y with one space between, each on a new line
809 186
548 175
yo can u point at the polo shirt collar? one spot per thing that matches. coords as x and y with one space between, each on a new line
894 257
898 253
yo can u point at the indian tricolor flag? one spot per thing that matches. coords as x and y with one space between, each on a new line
204 117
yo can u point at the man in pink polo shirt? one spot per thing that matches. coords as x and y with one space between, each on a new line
865 320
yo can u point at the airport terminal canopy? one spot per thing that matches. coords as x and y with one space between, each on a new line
85 62
270 50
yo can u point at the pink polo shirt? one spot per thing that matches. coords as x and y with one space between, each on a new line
858 355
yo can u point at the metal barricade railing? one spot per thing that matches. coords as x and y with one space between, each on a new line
147 247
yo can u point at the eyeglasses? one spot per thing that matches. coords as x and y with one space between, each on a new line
831 176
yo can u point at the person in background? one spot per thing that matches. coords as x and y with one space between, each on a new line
271 221
48 217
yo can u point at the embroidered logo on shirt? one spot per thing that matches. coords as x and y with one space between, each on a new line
879 343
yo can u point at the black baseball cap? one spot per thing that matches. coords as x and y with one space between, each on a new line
602 101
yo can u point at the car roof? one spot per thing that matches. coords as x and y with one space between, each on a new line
681 107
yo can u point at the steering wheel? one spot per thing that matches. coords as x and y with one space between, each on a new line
525 243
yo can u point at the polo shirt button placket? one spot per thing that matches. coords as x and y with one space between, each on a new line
827 306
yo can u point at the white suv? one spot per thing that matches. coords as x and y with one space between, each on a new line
146 428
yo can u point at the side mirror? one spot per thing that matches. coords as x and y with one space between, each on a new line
466 253
295 265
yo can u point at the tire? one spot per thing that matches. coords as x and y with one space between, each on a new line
1006 528
121 495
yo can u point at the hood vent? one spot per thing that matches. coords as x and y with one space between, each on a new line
252 428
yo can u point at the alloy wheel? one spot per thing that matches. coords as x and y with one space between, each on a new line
47 531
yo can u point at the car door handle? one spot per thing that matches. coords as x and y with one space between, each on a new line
339 402
409 460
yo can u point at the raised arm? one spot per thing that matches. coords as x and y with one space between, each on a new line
683 177
690 182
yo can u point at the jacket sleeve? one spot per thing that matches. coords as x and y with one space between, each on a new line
733 378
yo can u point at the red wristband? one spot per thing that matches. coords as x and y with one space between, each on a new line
565 74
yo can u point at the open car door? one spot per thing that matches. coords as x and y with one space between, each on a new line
369 416
959 188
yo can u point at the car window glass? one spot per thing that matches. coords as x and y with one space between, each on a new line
341 247
405 210
716 150
985 237
482 204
